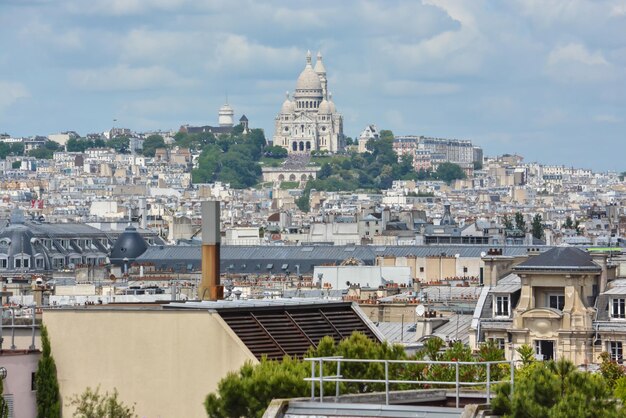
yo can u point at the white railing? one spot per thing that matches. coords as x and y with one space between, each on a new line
457 383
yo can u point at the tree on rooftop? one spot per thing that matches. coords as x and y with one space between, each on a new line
520 223
248 392
536 227
569 224
508 224
47 397
556 389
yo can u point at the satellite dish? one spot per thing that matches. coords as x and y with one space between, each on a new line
483 254
420 310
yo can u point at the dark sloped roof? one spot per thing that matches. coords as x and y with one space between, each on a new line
255 259
560 258
276 331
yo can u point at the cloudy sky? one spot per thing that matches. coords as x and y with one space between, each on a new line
543 78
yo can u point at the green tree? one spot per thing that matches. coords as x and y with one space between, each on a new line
151 143
52 146
520 223
4 407
16 165
17 148
248 392
527 354
42 153
508 224
556 389
275 151
303 202
5 149
325 172
610 370
536 227
569 224
386 135
46 384
93 404
120 144
449 172
75 145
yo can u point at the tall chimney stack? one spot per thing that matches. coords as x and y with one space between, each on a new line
210 288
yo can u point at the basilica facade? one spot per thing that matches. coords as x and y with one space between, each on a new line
309 121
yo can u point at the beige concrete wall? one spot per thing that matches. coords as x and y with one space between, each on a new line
165 362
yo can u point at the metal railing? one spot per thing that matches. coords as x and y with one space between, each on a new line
320 378
32 326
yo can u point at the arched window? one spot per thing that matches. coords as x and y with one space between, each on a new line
301 146
294 146
292 177
308 145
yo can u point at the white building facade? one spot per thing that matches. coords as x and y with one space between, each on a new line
309 121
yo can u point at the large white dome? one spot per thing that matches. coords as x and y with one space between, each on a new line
308 80
288 106
324 108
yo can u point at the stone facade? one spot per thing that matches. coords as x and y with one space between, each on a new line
309 121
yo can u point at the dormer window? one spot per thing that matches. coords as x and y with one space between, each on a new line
618 308
502 306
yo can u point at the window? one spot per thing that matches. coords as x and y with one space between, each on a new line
4 263
421 269
502 306
556 301
618 308
615 349
500 342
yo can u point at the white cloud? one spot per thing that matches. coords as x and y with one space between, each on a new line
123 77
575 63
606 118
415 88
456 51
239 55
122 7
575 53
11 93
43 33
141 45
618 10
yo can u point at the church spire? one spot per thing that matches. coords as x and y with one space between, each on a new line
308 57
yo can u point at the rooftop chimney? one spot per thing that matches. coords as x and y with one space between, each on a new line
210 288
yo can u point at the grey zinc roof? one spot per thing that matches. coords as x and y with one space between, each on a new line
619 290
560 258
508 284
397 332
457 327
255 259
